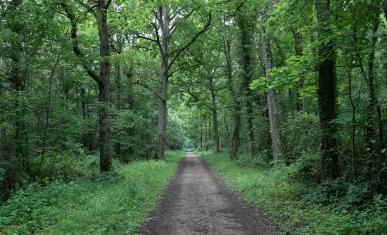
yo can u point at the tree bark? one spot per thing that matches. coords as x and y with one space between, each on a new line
162 118
373 114
353 122
247 72
164 19
230 85
102 79
103 87
330 168
201 137
117 104
271 95
214 112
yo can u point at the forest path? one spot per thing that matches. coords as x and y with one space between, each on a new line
196 202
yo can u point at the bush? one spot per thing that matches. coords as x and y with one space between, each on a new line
300 135
305 168
257 161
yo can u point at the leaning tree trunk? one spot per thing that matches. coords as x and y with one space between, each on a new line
103 88
271 95
330 168
162 118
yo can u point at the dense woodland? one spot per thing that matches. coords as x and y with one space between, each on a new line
292 84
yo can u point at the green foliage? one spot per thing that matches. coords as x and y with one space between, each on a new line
276 193
300 135
113 203
257 161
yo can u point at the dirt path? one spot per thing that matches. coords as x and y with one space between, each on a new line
196 202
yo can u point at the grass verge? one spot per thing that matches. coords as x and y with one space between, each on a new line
274 193
116 203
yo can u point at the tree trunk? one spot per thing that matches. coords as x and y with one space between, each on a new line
117 70
103 79
162 118
271 96
18 75
201 137
330 168
86 135
103 89
373 114
245 27
353 122
214 113
298 52
117 104
385 8
235 135
237 106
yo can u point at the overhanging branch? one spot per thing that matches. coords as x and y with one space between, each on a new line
74 36
192 41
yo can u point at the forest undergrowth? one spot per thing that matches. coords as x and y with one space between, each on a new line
297 207
111 203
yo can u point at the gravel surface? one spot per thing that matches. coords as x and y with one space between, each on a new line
196 202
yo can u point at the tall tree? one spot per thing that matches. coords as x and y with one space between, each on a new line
246 26
330 168
271 95
227 42
100 12
164 25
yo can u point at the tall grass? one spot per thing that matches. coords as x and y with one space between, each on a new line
115 203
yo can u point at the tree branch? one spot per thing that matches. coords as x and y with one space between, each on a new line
74 36
192 41
149 88
146 38
197 100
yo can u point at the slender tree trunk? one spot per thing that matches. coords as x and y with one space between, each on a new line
163 112
330 168
298 52
201 137
373 114
237 105
353 122
19 156
103 88
117 70
47 116
85 135
128 71
214 113
117 104
207 135
235 135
